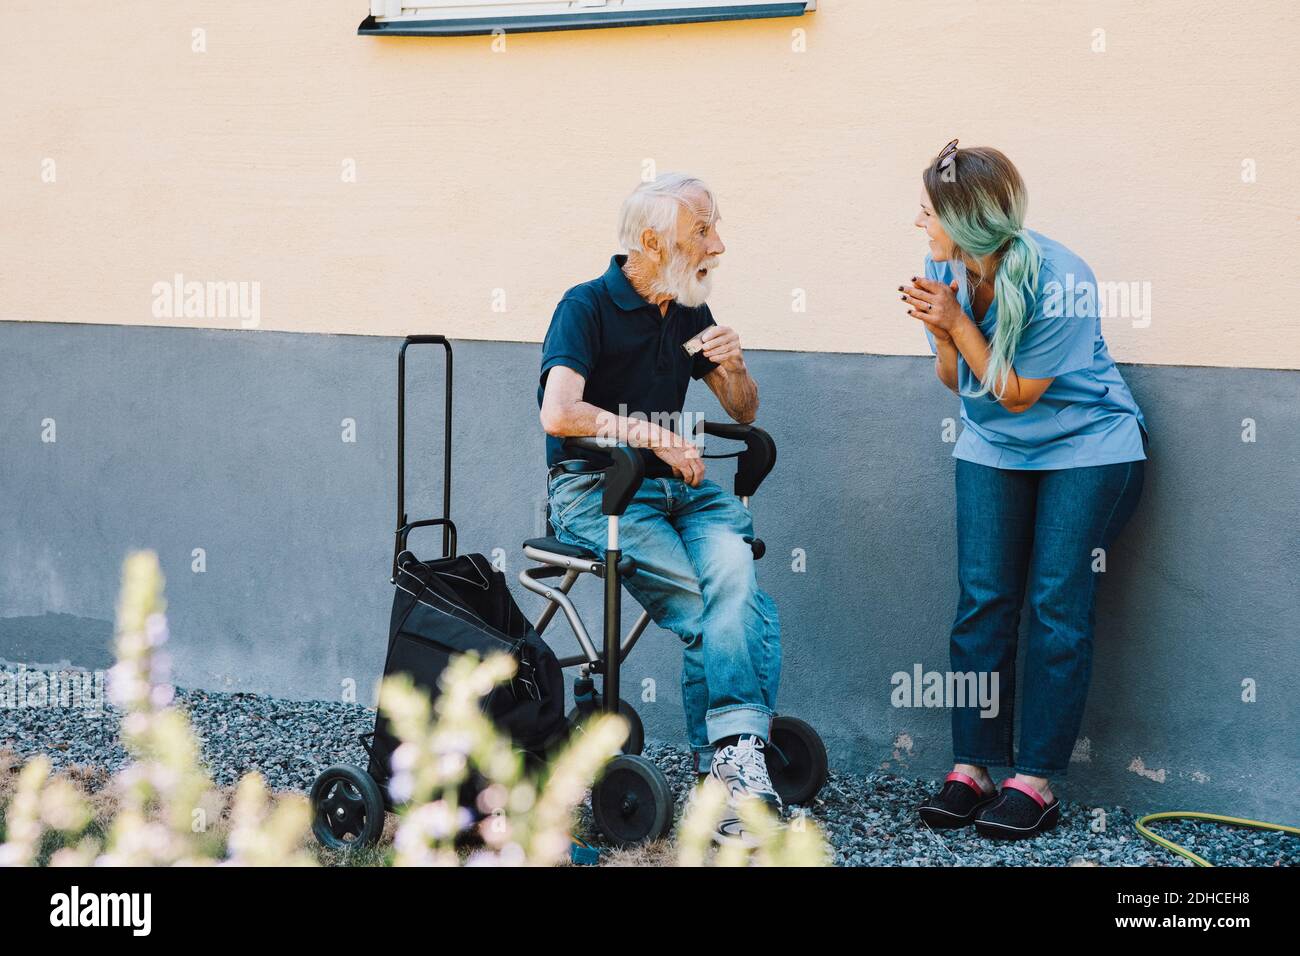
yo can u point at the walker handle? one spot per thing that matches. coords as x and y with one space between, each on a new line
622 476
755 462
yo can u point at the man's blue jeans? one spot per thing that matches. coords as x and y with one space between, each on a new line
1031 537
695 575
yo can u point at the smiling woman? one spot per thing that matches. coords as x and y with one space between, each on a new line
470 17
1049 470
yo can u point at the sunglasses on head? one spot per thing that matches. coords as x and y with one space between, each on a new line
947 155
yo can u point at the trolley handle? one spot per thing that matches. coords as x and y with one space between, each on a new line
404 526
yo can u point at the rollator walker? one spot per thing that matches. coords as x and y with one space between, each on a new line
632 802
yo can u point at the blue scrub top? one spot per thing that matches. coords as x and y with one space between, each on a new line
1087 416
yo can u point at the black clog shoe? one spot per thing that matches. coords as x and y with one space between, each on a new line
1018 812
956 803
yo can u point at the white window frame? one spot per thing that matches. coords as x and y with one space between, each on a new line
470 17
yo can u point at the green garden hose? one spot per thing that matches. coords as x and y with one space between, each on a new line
1194 815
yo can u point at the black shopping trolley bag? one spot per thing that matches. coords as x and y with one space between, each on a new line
455 605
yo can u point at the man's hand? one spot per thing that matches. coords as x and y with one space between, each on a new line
730 381
684 459
722 347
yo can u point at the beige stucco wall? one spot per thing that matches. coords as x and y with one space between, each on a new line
479 170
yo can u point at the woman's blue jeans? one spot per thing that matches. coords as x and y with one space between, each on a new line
1037 539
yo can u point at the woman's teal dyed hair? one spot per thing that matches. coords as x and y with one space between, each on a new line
980 201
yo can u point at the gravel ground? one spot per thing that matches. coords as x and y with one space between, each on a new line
867 817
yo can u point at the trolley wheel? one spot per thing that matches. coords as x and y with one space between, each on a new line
631 802
635 742
347 808
799 768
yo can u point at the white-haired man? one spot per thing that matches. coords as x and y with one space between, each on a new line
613 365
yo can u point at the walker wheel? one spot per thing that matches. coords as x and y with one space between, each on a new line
631 802
635 742
798 768
347 808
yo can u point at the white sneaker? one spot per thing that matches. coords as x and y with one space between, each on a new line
742 769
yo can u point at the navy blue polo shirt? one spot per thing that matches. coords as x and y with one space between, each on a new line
630 355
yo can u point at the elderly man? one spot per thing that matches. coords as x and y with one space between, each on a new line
613 365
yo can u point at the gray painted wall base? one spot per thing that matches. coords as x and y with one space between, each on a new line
231 442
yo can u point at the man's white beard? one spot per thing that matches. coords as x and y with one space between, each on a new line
681 282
